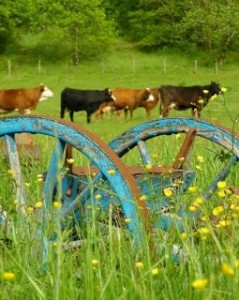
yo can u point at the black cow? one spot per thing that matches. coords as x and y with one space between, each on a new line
181 98
88 100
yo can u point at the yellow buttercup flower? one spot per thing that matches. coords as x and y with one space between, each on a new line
192 208
200 158
139 265
168 192
70 160
218 210
221 184
184 235
57 204
143 198
200 101
224 90
95 263
200 284
111 172
38 204
227 269
221 193
8 276
97 197
127 221
205 91
148 167
192 189
214 97
155 271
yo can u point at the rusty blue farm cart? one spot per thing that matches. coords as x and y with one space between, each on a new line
169 157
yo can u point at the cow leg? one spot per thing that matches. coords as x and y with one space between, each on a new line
88 116
62 112
164 112
125 113
71 115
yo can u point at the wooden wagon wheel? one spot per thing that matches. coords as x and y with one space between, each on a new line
189 138
112 170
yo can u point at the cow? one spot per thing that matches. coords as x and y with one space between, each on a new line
87 100
23 100
180 98
127 100
149 105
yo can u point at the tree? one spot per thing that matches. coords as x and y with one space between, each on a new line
80 26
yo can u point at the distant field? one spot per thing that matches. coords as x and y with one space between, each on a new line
127 69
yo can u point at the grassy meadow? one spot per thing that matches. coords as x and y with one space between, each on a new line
107 265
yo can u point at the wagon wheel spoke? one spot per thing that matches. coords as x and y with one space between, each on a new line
221 176
146 158
16 170
182 159
55 167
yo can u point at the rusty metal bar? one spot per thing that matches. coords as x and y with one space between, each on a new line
185 149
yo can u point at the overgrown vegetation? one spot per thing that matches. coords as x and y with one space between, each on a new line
78 30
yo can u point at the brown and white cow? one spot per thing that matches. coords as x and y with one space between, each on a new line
149 105
127 100
23 100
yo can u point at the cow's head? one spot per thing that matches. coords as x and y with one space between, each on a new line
45 93
109 92
147 96
214 88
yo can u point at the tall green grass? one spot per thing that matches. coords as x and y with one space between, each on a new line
107 265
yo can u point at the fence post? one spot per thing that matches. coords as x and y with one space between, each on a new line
216 67
39 67
133 65
9 67
164 66
195 66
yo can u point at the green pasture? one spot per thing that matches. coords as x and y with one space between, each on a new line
107 265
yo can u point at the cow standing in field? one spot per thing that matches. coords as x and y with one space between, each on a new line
181 98
23 100
149 105
88 100
127 100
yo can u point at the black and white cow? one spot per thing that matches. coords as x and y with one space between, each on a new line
88 100
184 97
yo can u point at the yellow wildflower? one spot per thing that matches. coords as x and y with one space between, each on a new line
70 160
39 204
227 269
177 136
143 198
95 263
127 221
111 172
200 101
184 235
214 97
200 284
221 193
148 167
221 184
192 189
204 231
155 271
27 184
200 158
8 275
224 223
89 206
168 192
29 209
192 208
15 202
218 210
97 197
139 265
11 172
57 204
205 91
224 90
